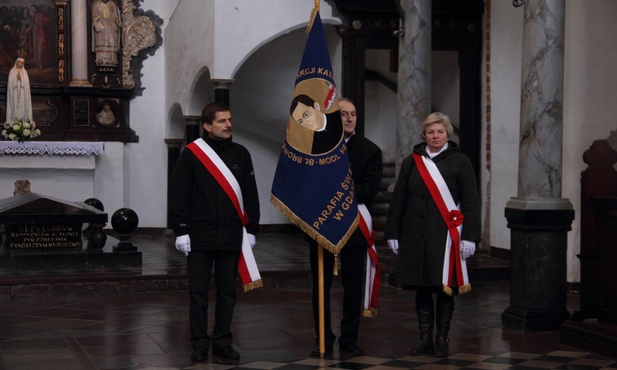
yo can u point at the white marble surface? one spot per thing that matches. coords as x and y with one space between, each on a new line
414 75
540 151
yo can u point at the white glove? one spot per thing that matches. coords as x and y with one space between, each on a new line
467 249
393 244
183 244
252 240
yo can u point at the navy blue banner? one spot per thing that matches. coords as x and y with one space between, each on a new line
312 184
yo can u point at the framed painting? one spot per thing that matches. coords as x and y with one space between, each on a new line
30 27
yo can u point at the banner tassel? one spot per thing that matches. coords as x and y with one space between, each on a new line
335 267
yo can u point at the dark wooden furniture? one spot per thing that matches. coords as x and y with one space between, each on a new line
595 324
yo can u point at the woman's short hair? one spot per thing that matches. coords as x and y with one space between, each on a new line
437 117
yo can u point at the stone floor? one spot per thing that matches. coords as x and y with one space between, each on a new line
136 318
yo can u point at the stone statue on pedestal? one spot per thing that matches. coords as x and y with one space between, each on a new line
18 98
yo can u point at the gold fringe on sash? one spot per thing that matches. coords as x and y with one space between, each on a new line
253 285
370 313
447 289
461 290
464 288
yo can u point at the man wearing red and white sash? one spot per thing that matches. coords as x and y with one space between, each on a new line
213 209
365 161
433 225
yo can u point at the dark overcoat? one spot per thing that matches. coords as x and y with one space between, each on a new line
414 219
198 206
366 163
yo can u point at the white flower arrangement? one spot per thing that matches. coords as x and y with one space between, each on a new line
20 130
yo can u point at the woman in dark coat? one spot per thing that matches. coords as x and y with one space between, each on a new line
431 251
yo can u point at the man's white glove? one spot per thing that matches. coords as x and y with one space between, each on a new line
252 240
393 244
467 249
183 244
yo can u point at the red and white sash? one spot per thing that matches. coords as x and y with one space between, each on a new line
218 169
373 272
453 262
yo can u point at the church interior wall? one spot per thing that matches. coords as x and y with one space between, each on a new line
110 178
590 88
380 104
189 47
380 118
505 90
256 23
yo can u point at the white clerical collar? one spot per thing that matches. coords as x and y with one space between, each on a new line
433 155
325 123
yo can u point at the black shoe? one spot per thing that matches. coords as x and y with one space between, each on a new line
424 348
441 346
351 349
315 351
227 353
199 355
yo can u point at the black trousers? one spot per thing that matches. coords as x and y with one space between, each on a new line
225 271
352 274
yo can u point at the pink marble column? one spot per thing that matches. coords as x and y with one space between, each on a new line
79 42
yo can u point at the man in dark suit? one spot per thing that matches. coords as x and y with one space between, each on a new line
366 165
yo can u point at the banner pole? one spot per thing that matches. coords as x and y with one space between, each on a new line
322 325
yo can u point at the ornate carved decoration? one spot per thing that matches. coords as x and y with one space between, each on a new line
61 40
138 33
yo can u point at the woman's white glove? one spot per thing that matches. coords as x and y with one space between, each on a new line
252 240
183 244
393 244
467 249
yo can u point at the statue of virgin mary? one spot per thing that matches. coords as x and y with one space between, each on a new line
18 98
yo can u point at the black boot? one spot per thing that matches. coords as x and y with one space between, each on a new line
426 316
445 308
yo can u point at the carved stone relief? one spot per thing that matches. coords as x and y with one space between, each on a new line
138 33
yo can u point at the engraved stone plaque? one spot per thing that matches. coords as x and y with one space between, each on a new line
44 236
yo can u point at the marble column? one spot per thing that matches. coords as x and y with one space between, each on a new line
414 82
538 217
79 43
414 75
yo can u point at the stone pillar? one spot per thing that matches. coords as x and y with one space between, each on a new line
414 82
221 90
192 129
538 217
79 43
414 75
174 147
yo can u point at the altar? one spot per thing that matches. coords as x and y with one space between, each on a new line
63 169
